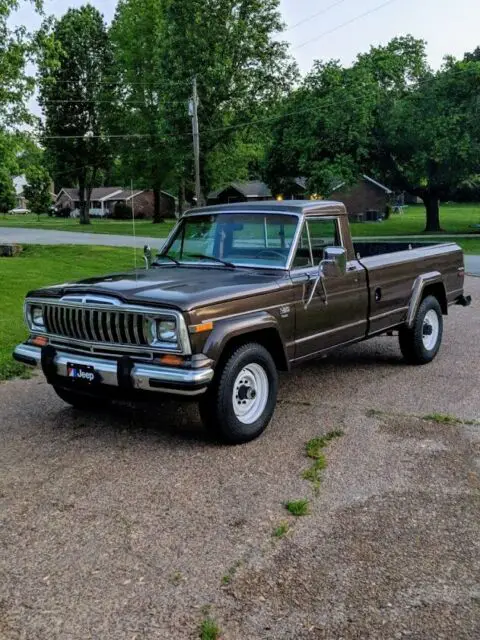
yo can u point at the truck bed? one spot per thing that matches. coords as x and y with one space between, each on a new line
368 249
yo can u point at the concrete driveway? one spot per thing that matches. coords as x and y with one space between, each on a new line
132 524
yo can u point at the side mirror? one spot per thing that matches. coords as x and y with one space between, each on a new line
147 256
334 263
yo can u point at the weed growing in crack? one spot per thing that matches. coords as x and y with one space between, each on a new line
281 530
298 507
209 629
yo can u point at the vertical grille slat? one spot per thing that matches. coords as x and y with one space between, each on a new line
61 321
135 329
109 323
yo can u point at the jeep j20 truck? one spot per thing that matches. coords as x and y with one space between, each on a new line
238 293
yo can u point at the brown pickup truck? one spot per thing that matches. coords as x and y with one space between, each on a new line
238 293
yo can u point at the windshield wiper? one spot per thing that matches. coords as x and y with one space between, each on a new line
213 258
164 255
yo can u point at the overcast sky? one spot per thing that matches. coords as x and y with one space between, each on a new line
448 26
344 28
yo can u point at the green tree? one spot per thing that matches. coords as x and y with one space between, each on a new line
388 115
242 70
38 190
73 95
7 191
473 56
138 96
16 86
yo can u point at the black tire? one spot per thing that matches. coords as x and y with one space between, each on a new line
217 405
81 401
413 341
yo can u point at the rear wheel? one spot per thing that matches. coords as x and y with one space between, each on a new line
81 401
420 343
241 401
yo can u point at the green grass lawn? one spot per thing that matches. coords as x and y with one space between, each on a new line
454 218
40 266
119 227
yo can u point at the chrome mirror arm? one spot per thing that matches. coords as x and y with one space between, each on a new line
319 278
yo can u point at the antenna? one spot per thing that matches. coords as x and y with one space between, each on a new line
134 232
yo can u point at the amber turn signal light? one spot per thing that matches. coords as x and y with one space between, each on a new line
39 341
200 328
171 360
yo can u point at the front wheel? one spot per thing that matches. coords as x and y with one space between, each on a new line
420 344
241 401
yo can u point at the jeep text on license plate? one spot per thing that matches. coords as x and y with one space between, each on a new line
82 373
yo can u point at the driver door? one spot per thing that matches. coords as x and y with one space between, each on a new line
338 311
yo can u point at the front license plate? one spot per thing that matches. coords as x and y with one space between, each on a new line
82 373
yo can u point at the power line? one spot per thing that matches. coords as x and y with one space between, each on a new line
89 100
344 24
167 137
315 15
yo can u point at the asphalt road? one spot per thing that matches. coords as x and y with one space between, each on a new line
132 524
50 236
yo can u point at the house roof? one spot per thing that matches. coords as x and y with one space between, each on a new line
368 179
252 188
123 194
99 193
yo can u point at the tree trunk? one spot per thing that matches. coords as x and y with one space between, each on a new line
181 197
84 204
432 207
157 213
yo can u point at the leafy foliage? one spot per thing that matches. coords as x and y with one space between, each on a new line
74 58
388 115
38 190
7 191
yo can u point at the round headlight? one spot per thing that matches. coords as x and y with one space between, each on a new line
167 331
37 317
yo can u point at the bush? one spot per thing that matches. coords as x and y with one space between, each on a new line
63 213
122 211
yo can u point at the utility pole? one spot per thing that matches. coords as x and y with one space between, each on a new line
196 142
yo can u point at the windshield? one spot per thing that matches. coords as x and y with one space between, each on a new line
243 239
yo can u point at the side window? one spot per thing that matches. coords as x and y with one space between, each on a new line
303 257
323 233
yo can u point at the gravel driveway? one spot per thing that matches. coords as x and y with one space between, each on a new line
134 525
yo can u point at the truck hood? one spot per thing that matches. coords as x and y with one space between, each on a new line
183 288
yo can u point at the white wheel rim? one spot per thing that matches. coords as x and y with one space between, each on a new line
250 393
430 330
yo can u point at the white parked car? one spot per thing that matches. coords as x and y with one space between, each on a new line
19 211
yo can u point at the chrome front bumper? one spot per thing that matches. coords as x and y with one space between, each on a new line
142 376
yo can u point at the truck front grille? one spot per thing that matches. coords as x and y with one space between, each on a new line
93 325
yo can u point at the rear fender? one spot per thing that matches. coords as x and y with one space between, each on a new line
419 286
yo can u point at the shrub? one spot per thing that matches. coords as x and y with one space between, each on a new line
122 211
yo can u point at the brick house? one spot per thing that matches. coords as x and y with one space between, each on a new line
366 195
254 191
104 199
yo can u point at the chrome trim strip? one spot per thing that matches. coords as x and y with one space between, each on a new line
387 313
330 331
142 373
